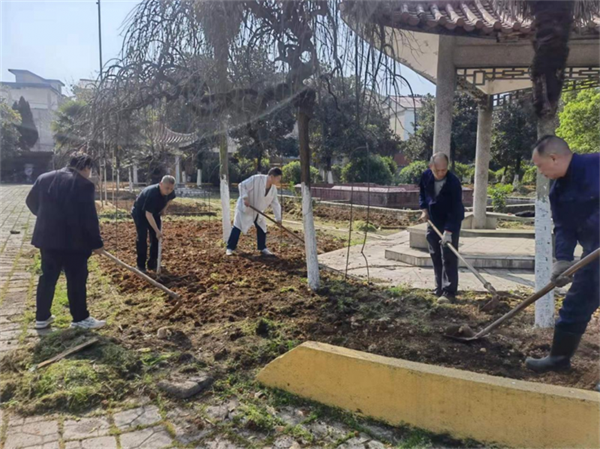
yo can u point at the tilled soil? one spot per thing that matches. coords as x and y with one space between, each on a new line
232 304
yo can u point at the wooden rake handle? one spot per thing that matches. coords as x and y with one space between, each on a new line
139 274
277 223
472 269
537 295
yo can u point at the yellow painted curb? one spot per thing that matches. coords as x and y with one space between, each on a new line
442 400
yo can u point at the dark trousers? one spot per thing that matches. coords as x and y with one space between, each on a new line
234 237
445 263
581 301
143 228
76 271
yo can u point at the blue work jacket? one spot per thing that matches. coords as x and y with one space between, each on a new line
574 200
446 211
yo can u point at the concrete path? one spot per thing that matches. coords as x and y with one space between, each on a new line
396 273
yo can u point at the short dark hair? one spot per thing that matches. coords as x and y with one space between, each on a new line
275 171
80 160
552 145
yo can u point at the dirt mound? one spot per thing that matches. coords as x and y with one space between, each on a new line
228 299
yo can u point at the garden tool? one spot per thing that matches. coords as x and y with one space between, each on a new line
489 287
158 261
148 279
465 333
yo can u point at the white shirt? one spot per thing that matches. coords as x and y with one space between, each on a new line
254 189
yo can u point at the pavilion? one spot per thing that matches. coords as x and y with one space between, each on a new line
481 47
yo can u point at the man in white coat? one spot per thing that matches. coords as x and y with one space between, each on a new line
260 192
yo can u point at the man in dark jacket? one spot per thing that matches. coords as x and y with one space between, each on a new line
66 232
440 200
150 204
574 199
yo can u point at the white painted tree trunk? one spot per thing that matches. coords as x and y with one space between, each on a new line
184 177
544 307
329 177
105 186
135 174
310 239
226 210
199 178
130 179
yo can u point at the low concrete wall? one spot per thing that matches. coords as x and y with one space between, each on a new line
442 400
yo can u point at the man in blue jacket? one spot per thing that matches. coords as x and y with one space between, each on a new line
574 199
440 200
149 206
67 232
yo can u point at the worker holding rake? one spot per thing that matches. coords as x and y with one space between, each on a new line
574 199
257 193
150 204
440 200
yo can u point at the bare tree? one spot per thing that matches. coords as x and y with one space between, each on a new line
306 39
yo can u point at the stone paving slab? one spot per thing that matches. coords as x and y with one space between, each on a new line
107 442
141 416
85 428
31 432
151 438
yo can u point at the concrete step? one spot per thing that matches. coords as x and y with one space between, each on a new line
420 258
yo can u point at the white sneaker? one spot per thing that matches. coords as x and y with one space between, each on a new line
443 300
89 323
266 252
229 252
45 324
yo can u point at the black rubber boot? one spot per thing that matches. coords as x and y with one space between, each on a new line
564 346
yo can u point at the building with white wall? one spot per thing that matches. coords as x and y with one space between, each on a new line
403 112
44 97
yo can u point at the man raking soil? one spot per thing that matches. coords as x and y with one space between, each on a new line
257 193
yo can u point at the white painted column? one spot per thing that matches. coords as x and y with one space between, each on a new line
482 165
135 174
177 170
444 95
199 178
544 307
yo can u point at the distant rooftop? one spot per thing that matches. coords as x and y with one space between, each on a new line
26 78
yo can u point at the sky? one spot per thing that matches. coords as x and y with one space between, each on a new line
59 39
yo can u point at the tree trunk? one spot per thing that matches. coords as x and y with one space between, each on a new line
310 238
224 187
552 22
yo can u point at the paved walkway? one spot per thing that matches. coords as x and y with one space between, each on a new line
16 281
396 273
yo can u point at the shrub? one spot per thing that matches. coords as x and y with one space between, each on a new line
464 172
411 174
337 173
499 193
530 175
292 173
372 168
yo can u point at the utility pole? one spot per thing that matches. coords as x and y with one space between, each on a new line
103 188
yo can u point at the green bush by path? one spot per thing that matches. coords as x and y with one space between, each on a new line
499 193
372 168
411 174
292 173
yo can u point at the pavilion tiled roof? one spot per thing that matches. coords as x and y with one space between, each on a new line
482 18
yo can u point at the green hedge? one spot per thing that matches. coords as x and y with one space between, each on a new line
292 173
411 174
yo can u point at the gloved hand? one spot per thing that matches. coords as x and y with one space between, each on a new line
446 238
559 267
